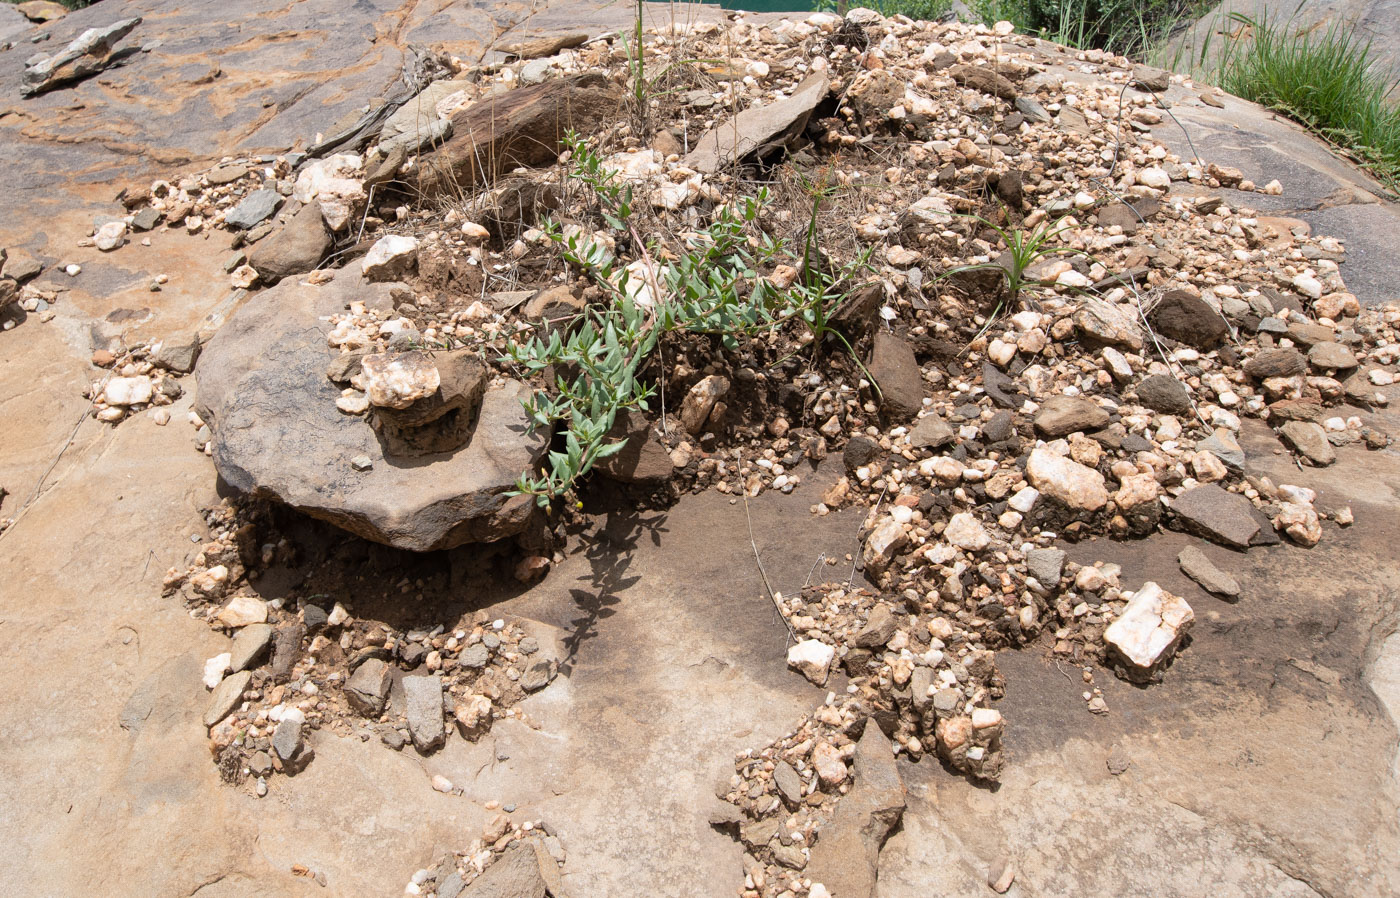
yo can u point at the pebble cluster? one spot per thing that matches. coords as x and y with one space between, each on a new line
979 425
294 665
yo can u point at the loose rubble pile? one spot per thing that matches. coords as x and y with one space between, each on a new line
989 407
293 665
509 859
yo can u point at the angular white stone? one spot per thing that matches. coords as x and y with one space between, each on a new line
109 236
396 380
390 258
1068 481
242 611
128 390
1149 628
215 668
1154 177
811 658
966 532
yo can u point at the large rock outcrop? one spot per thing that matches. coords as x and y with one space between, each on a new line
264 393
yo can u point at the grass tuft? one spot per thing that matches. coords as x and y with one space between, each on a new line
1328 81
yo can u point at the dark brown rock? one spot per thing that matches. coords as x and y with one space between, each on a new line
1275 363
442 422
1063 415
1183 316
277 433
983 79
642 458
1164 393
295 248
896 372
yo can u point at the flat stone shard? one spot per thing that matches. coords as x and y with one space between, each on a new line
277 433
642 458
1148 630
759 130
1063 415
983 79
227 696
425 723
88 54
253 209
368 688
896 371
1220 516
296 248
1212 579
1309 440
845 858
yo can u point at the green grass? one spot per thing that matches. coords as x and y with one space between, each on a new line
1328 81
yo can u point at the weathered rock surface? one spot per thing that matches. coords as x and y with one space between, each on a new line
1186 318
367 690
1063 415
277 433
642 458
1164 393
1309 440
845 858
88 54
423 696
522 127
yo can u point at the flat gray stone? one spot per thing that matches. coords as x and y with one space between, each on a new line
253 209
1212 579
1220 516
1046 566
424 699
368 688
789 783
1331 356
931 432
277 433
1309 440
226 696
249 645
286 738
